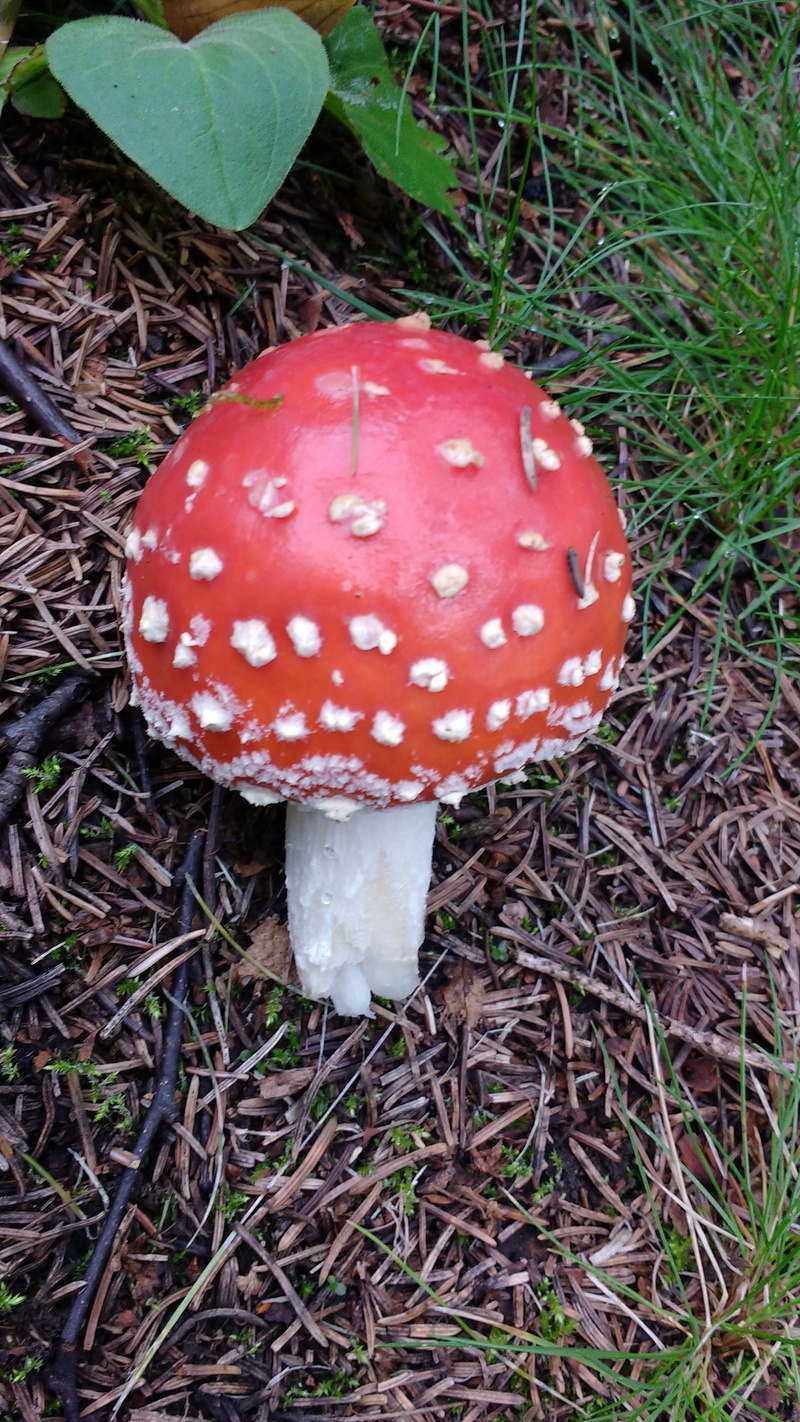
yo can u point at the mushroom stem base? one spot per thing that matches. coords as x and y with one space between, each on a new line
357 893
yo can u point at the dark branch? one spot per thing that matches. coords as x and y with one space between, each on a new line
162 1109
28 393
25 736
30 728
142 745
562 359
212 842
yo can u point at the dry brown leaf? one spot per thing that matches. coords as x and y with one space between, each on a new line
767 1399
677 1218
281 1085
269 954
489 1161
186 18
247 869
309 312
701 1074
9 9
145 1281
348 226
695 1160
463 995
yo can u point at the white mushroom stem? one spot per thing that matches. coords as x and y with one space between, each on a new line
357 893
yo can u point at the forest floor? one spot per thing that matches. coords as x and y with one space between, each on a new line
508 1196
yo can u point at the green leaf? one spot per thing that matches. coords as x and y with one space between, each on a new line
27 82
153 11
365 97
43 98
9 60
219 121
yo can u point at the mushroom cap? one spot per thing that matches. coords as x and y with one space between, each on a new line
382 566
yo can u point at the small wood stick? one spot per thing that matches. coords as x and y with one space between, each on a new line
354 450
26 390
23 739
162 1110
575 572
526 445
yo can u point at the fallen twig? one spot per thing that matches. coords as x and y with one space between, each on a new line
162 1109
284 1284
13 994
142 746
25 737
212 840
765 934
453 12
27 391
712 1044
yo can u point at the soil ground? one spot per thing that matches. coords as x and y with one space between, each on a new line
469 1131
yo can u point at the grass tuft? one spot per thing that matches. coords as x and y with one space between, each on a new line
662 251
689 280
713 1332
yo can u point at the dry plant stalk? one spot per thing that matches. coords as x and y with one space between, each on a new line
186 18
9 9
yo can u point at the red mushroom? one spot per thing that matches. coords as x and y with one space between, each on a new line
382 569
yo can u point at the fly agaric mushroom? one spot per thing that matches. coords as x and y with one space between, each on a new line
381 570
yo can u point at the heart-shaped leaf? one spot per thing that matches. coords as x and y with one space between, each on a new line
217 122
365 97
